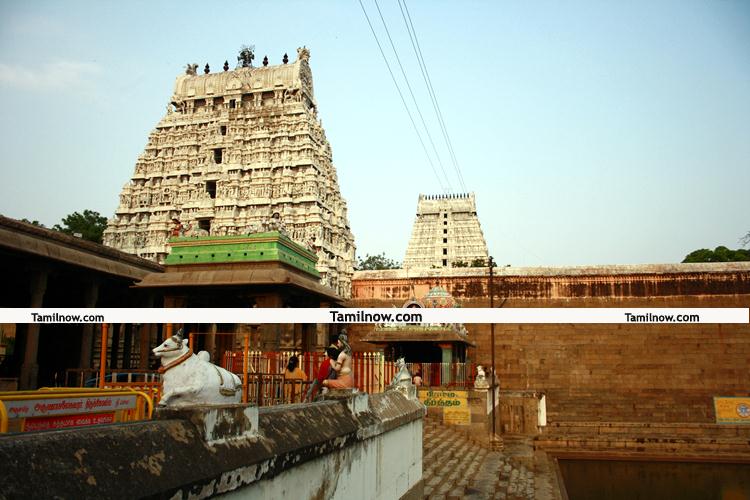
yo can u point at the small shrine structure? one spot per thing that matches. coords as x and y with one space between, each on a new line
265 269
424 342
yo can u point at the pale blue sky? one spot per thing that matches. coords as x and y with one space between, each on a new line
591 132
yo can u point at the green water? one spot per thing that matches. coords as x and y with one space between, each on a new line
631 480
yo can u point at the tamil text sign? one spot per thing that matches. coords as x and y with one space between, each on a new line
455 405
732 410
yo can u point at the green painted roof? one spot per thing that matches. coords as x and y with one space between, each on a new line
260 247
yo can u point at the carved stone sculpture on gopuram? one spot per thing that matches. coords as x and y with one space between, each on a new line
235 150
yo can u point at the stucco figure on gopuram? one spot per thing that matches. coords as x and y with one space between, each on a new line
235 149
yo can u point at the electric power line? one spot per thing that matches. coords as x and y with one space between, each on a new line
411 92
428 83
403 101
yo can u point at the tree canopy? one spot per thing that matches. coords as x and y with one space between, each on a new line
375 262
90 225
33 222
719 254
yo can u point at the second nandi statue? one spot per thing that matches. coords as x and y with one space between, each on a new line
191 380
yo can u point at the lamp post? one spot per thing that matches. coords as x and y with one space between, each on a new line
491 265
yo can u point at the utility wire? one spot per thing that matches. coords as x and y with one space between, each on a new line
411 92
403 101
431 90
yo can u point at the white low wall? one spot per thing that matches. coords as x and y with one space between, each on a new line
386 466
349 447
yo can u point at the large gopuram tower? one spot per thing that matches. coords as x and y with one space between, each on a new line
236 150
446 233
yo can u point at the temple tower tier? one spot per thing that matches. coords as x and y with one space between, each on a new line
239 152
446 233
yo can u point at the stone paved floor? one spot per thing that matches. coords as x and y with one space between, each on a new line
456 467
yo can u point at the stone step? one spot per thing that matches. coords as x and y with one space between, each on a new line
647 429
456 467
452 463
694 445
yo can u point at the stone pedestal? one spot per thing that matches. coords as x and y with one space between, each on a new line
218 423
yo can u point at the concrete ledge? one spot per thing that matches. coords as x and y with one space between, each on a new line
186 458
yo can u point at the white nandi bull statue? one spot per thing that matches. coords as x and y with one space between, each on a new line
190 379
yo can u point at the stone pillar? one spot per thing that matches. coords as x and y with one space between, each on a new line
146 332
30 368
255 343
90 297
127 345
270 334
210 346
308 338
117 333
322 331
447 358
142 333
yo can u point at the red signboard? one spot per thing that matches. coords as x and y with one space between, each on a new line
46 423
67 405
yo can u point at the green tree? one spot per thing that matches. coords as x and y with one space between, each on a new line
719 254
375 262
460 263
90 225
33 222
478 263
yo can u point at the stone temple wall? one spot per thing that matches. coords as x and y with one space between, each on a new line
235 148
446 232
655 373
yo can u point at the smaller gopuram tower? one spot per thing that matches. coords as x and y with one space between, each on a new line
446 233
239 152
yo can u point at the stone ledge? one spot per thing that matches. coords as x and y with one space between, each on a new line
171 458
594 270
667 446
217 424
681 429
